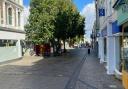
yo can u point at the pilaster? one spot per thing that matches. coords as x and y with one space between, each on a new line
4 14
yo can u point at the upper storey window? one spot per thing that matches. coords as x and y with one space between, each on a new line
18 18
10 16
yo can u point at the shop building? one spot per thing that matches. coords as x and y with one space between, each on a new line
107 39
11 29
121 6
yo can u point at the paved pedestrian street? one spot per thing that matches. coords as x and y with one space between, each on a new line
73 70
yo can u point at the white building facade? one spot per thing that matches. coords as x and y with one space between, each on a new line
109 42
11 29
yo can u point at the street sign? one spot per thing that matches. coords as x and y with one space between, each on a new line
101 12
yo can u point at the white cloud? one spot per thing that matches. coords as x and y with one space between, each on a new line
26 14
89 12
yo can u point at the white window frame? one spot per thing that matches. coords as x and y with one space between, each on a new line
13 17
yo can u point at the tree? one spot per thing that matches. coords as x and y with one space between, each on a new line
41 21
53 19
67 22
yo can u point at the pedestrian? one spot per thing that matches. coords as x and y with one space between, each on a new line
88 50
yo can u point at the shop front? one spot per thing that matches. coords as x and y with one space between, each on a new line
121 6
124 55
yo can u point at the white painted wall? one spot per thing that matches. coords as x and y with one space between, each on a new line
8 53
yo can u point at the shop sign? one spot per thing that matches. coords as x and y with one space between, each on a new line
101 12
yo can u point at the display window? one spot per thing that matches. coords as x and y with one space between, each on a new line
124 48
125 52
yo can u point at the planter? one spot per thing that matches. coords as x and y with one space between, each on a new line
125 79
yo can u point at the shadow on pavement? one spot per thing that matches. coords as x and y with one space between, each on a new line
38 73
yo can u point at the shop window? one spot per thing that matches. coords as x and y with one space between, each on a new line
6 43
2 43
10 16
126 29
125 52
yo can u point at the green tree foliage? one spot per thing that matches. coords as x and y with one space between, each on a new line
53 19
41 21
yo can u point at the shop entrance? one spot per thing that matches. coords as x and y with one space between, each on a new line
124 55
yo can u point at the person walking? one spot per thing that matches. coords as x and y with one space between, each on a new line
88 50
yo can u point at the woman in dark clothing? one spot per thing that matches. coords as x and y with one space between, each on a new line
88 50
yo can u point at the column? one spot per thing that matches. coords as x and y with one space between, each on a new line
4 15
117 54
19 48
111 63
110 50
102 50
99 46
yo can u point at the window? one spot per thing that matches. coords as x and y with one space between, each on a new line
10 16
18 18
5 43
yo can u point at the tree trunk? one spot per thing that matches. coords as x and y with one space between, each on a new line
64 46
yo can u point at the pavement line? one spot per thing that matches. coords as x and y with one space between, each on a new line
71 84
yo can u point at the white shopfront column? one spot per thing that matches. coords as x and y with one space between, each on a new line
110 55
110 50
117 54
19 48
99 46
101 50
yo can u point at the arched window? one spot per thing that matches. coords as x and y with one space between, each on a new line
10 16
19 18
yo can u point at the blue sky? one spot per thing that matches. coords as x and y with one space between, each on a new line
79 3
26 2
